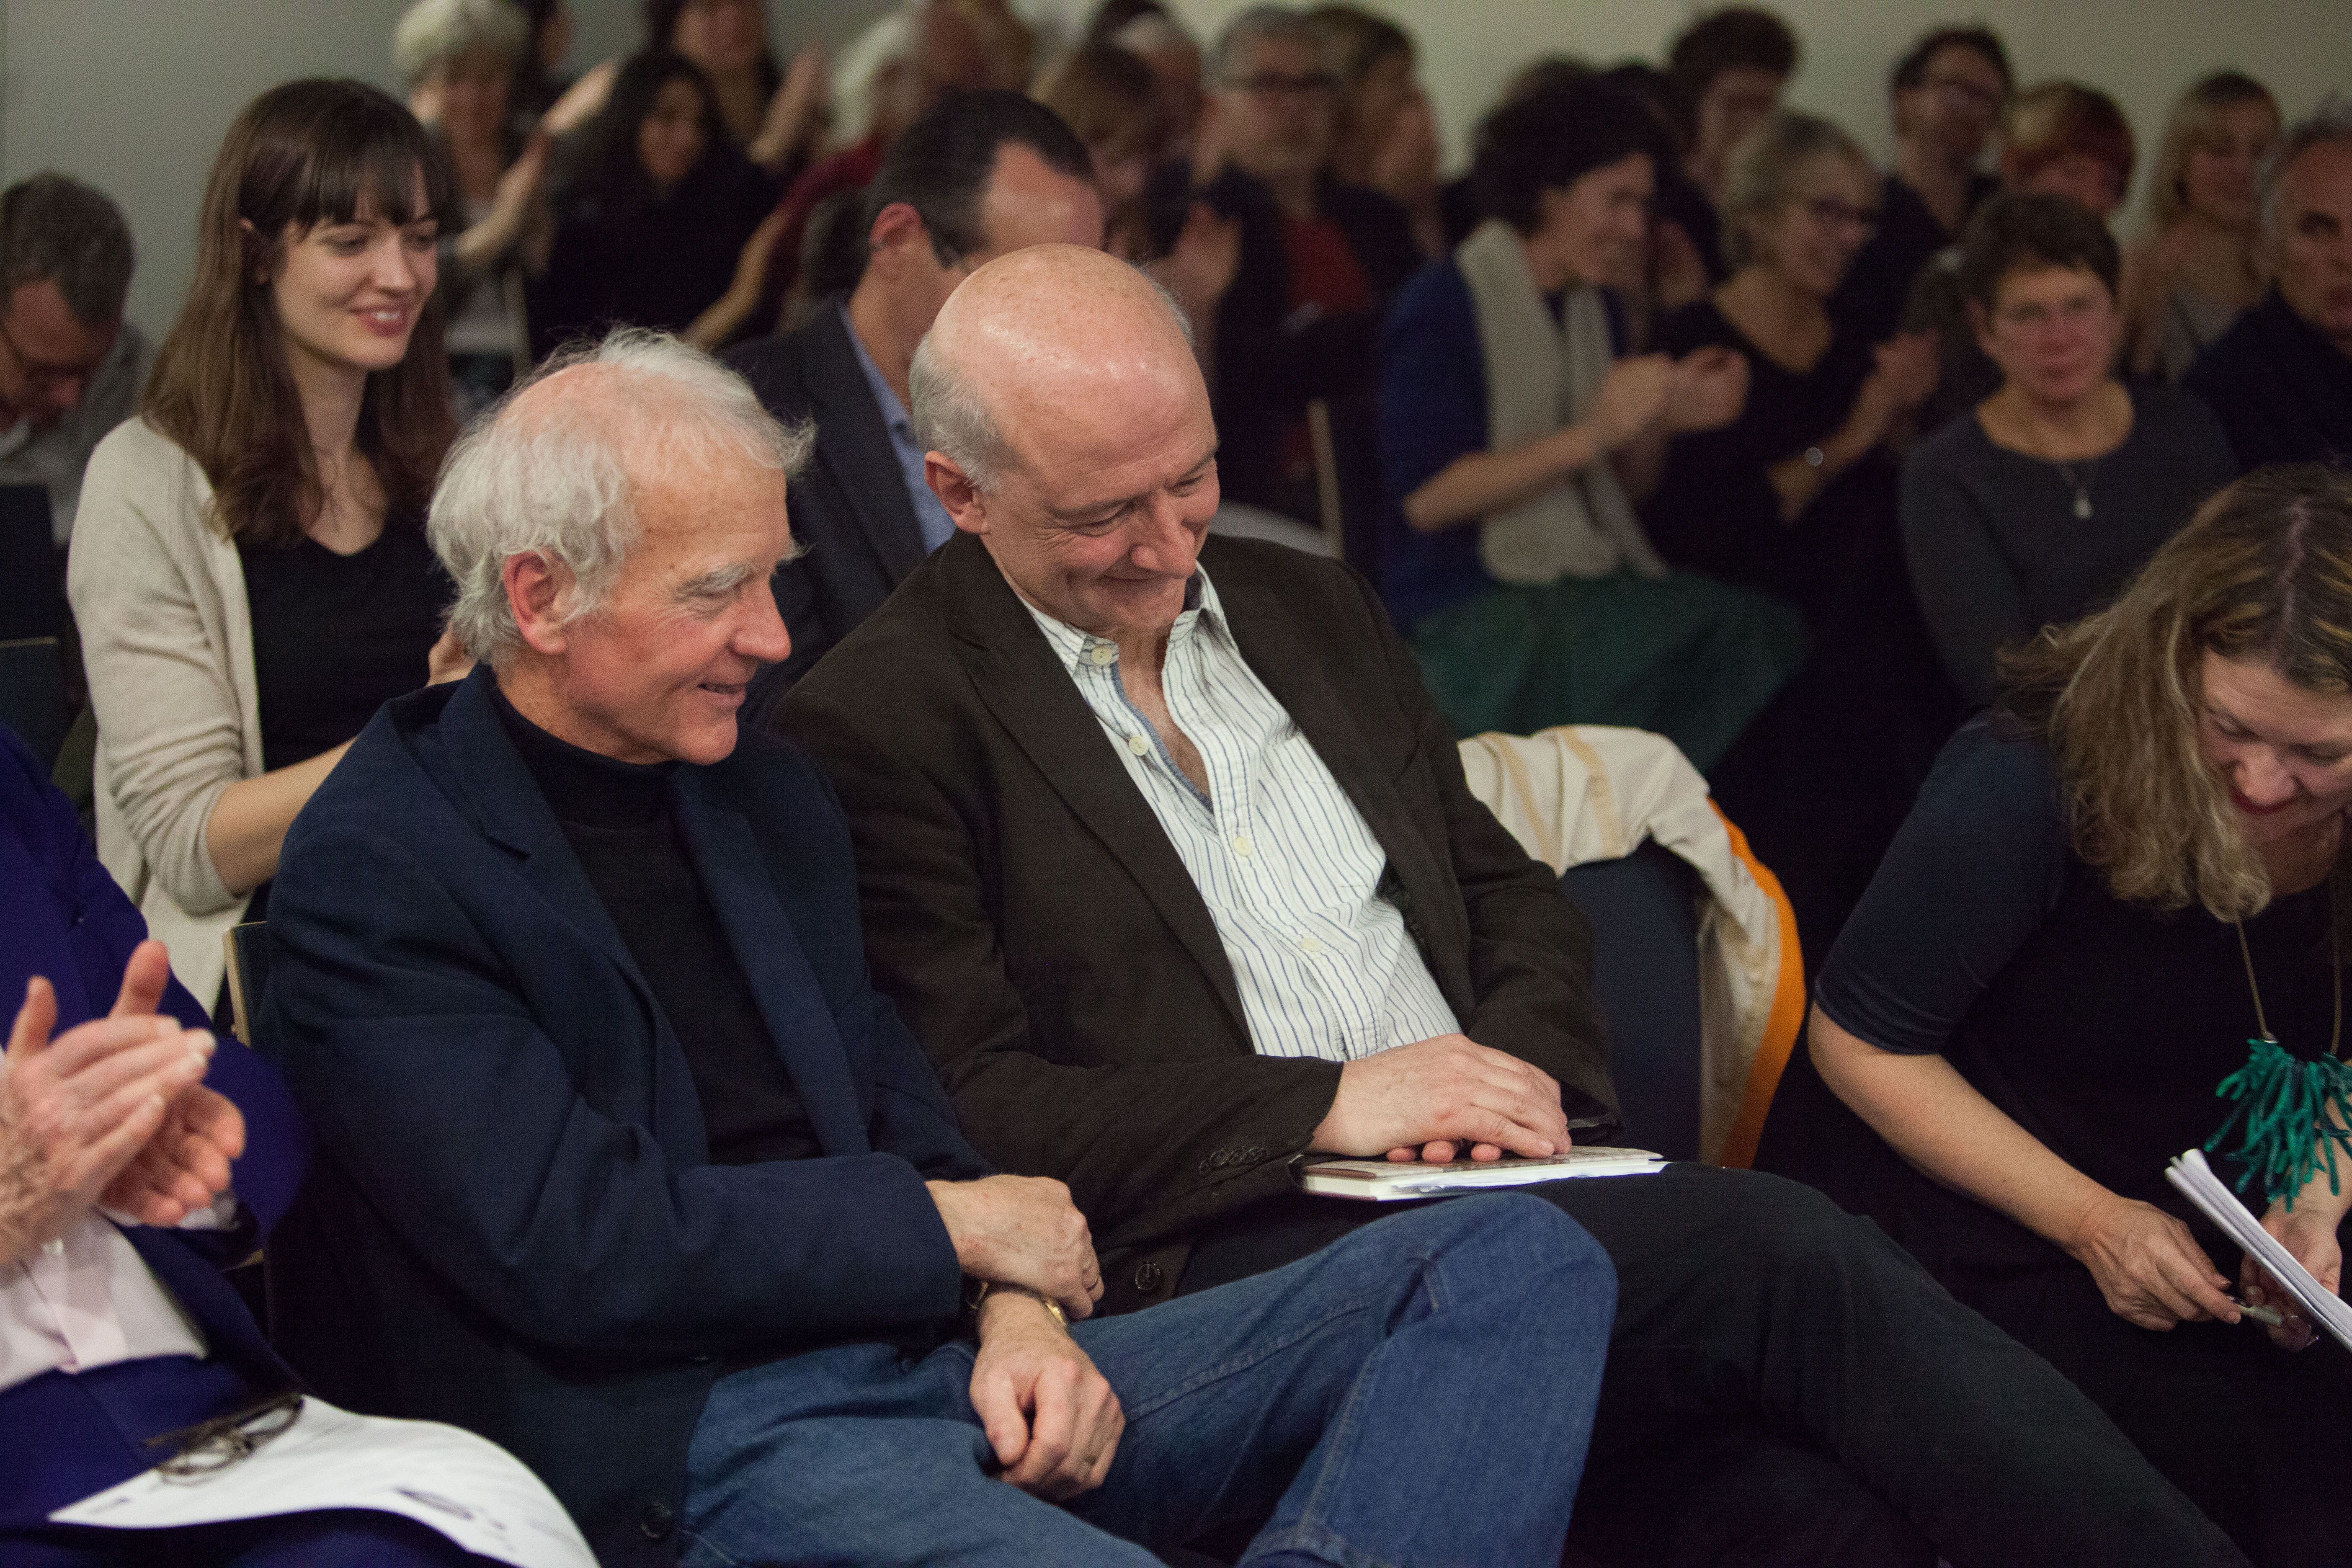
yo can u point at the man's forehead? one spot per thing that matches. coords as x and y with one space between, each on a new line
2321 175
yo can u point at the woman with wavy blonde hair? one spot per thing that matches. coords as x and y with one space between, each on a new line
2130 871
2199 264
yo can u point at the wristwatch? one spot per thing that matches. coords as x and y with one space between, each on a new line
979 1290
1814 457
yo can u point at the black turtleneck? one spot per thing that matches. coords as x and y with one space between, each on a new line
616 818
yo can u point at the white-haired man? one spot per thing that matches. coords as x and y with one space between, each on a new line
623 1161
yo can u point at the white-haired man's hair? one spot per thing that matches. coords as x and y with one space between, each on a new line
2329 125
434 34
950 416
550 476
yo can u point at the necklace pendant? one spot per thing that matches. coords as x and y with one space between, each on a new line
2082 503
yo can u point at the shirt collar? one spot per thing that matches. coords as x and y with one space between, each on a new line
1075 647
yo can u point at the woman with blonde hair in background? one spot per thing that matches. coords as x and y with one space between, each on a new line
249 569
2200 262
2134 863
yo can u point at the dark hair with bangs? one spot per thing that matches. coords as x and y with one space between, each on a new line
1553 138
2033 231
613 176
301 154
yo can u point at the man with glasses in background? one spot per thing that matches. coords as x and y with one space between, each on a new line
70 370
1947 96
1319 260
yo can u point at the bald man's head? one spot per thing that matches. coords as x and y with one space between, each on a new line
1069 429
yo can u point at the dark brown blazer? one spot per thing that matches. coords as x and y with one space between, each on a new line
1028 912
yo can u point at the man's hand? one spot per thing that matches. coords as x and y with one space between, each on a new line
2149 1267
1424 1099
76 1111
1049 1414
1023 1231
185 1165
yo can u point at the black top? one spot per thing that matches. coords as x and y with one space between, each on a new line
337 637
1869 303
2100 1027
1996 550
660 266
1716 511
616 818
2282 391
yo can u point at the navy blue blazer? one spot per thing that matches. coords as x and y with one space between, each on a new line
61 917
514 1225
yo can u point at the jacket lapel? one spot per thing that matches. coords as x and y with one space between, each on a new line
853 445
1017 676
791 1002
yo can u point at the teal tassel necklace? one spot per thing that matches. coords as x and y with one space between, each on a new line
2292 1114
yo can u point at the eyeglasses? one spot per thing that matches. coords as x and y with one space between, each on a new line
48 375
215 1444
1281 84
1830 213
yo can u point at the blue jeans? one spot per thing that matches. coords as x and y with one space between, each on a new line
1420 1392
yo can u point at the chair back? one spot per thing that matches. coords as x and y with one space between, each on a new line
32 568
33 694
247 947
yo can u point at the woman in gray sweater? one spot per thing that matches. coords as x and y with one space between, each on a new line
2036 506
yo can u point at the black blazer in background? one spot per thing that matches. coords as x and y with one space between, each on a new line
851 513
1028 912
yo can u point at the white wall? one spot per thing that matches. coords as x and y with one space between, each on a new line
133 95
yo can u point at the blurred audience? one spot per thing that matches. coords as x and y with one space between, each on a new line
2200 263
70 366
2062 139
1160 42
1948 94
2281 379
2036 506
461 60
1679 268
249 568
1797 497
1318 264
983 174
1387 135
538 79
668 224
1107 97
1510 430
1731 66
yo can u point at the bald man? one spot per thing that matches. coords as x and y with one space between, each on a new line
622 1161
1167 858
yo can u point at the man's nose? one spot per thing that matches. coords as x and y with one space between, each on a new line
1168 544
763 636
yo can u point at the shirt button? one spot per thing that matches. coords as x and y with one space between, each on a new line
1137 744
1241 845
1311 948
55 1246
1102 653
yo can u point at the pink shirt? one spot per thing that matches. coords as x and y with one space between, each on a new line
88 1298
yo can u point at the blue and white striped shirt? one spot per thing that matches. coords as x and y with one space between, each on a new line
1287 864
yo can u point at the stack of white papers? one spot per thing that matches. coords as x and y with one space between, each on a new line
2193 1177
1383 1181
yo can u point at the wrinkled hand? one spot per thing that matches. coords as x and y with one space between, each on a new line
1631 399
2149 1267
76 1112
1023 1231
1420 1101
2310 1234
1709 389
1050 1415
447 659
185 1165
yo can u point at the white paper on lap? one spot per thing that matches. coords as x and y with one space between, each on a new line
465 1486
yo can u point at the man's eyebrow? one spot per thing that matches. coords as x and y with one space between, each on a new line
723 579
1093 510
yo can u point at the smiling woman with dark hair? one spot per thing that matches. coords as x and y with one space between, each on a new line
249 569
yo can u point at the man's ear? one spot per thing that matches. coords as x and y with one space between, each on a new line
896 227
538 595
962 498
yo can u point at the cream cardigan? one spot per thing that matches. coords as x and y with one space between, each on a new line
159 595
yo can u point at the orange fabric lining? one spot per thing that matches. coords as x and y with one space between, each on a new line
1788 1012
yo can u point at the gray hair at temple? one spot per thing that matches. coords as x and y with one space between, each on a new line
550 476
434 34
2330 124
60 231
1265 24
951 414
1762 175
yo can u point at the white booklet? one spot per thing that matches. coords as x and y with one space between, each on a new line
2193 1177
468 1489
1383 1181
